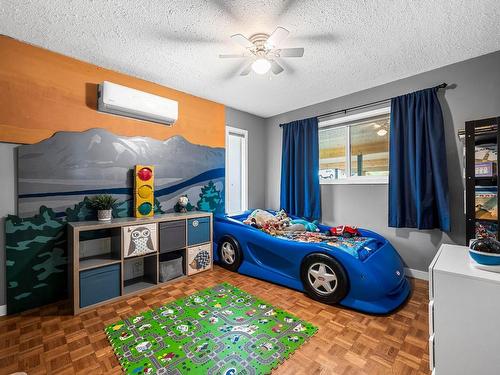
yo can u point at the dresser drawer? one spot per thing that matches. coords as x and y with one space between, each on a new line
432 359
431 317
99 284
199 258
198 230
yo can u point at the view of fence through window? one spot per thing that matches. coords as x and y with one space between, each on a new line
355 150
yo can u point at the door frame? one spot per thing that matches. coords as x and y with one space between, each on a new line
244 172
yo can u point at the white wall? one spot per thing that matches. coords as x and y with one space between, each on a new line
474 94
8 202
257 164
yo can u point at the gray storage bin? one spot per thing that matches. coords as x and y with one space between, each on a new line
172 235
171 269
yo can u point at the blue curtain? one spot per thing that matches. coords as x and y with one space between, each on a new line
418 175
300 194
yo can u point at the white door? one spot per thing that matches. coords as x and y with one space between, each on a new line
236 170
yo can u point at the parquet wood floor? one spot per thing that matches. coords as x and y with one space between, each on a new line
48 340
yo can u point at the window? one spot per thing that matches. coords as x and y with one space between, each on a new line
355 149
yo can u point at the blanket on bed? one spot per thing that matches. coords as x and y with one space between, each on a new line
281 226
353 245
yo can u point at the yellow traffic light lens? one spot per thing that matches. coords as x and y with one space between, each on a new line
145 191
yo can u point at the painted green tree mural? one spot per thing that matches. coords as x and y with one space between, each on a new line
36 260
211 199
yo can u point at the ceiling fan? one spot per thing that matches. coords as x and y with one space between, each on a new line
263 50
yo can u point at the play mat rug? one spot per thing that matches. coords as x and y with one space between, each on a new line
219 330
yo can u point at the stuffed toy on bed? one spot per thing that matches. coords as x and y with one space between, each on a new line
307 225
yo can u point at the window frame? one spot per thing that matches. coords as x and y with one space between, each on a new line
345 121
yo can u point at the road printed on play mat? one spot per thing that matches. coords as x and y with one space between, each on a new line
219 330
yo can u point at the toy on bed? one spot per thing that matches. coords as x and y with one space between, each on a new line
345 231
306 225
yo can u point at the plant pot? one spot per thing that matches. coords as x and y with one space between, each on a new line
104 215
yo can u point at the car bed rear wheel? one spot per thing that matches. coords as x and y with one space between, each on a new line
230 255
324 278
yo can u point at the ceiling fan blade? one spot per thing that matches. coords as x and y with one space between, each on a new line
242 41
246 70
275 67
291 52
233 56
276 37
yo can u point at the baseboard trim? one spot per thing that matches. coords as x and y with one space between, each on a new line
417 274
3 310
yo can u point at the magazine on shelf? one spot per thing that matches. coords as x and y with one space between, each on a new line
486 207
486 152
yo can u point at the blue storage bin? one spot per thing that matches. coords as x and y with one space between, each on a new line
198 230
99 284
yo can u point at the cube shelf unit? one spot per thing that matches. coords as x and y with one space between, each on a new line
479 133
102 272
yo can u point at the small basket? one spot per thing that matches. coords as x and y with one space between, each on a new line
171 269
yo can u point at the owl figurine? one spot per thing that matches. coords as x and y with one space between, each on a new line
140 242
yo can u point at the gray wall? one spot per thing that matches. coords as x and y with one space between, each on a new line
475 94
256 153
8 201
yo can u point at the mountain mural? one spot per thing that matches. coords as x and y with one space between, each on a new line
57 176
60 171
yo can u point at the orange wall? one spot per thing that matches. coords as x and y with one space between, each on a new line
42 92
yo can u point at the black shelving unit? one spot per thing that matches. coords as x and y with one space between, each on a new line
477 133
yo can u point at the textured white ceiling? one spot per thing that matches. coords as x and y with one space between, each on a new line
349 45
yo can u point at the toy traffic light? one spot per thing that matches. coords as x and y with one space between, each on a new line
144 196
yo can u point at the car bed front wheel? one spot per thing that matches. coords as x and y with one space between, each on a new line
230 255
324 278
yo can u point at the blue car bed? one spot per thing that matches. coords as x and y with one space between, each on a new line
363 272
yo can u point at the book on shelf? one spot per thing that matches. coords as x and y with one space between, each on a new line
486 207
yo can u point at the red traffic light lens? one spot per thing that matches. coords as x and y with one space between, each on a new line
145 174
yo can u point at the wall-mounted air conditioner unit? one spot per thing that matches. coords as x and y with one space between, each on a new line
127 102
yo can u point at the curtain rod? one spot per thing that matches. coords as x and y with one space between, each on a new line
441 86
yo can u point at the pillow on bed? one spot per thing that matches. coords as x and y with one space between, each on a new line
260 217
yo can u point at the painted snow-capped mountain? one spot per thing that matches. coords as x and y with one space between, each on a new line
60 171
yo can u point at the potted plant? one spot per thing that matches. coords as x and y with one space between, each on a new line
104 204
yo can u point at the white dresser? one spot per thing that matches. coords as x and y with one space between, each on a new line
464 315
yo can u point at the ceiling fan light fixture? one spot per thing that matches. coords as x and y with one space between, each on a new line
261 66
262 51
